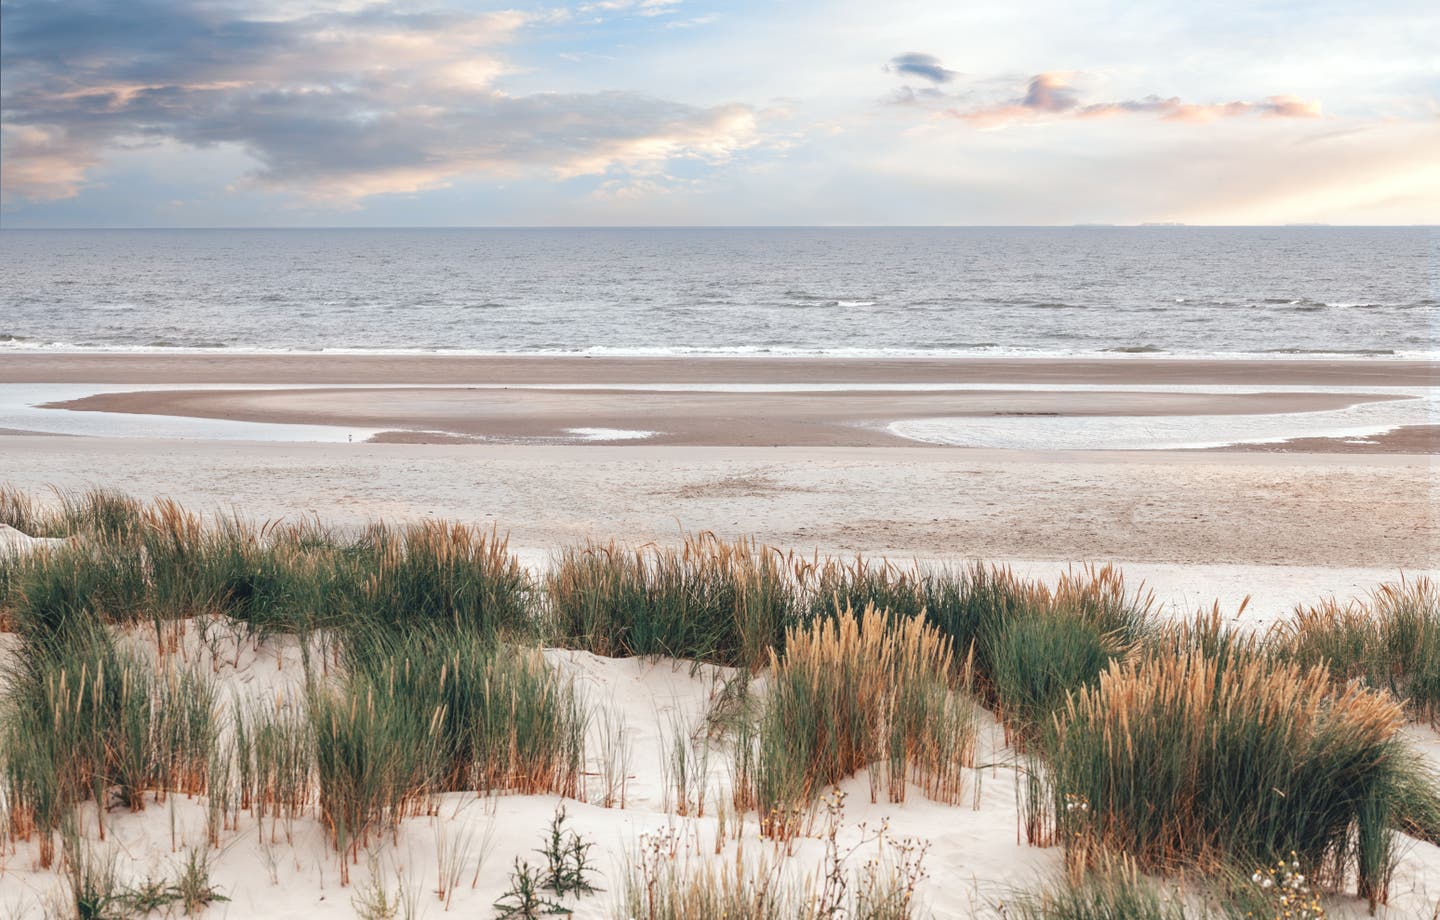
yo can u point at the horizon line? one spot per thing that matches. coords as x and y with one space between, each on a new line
1149 225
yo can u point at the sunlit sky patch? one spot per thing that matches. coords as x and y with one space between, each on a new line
621 112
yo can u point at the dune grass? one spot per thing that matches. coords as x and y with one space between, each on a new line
374 756
1113 891
441 573
712 601
833 586
273 762
1029 645
437 710
1043 645
856 692
1178 761
83 719
1187 746
1391 641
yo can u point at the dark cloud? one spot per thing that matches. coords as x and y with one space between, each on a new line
924 66
335 104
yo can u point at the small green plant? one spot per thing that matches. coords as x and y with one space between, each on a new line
523 901
150 895
376 901
567 857
193 889
93 891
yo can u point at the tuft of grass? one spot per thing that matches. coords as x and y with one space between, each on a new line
855 692
84 720
1178 761
712 601
1036 661
51 593
1207 634
1114 891
274 759
375 753
1037 646
834 586
501 717
20 510
1002 623
658 886
1391 641
103 515
436 711
440 573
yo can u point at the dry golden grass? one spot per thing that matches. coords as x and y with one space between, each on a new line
861 691
1179 760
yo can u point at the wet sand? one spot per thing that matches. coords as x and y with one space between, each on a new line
797 419
540 399
23 367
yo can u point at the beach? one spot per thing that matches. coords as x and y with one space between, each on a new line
552 460
812 467
807 455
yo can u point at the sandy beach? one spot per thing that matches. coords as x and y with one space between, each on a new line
592 460
811 468
807 455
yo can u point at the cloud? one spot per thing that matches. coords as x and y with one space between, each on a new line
42 163
924 66
335 106
1050 95
1174 109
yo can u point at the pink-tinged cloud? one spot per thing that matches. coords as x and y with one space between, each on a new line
1050 96
42 163
334 107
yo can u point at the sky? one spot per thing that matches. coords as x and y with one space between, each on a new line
213 113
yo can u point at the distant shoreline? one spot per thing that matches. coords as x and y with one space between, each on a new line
1129 404
220 366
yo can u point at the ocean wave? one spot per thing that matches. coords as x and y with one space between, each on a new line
939 349
1369 352
1310 305
168 344
811 299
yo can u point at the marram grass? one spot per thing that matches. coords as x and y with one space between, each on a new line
861 691
1391 641
85 720
1181 762
709 600
436 711
1208 723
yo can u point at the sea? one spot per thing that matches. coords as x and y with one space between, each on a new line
1279 292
